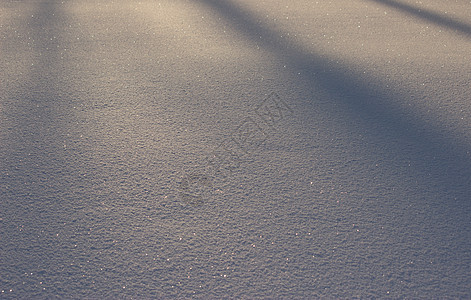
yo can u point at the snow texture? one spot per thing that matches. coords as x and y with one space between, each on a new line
235 149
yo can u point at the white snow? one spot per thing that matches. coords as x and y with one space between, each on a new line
235 148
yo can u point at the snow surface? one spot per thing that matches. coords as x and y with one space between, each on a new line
235 148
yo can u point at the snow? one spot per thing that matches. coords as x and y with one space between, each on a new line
246 149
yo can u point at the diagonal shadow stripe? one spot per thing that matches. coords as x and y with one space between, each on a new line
36 187
448 159
429 16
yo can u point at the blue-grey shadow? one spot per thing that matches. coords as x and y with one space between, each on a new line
429 16
38 126
445 158
40 178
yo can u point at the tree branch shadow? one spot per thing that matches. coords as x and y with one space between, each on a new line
451 165
429 16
